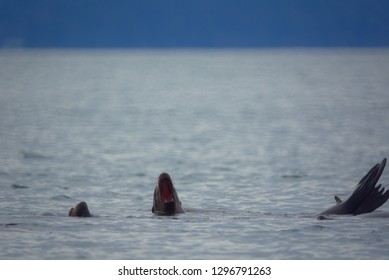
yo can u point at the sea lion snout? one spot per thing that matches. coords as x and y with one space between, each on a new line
166 191
165 197
80 210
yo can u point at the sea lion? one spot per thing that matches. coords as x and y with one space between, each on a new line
166 200
80 210
366 197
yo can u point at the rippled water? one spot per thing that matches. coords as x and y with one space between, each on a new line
256 142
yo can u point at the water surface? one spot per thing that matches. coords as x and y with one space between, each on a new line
257 141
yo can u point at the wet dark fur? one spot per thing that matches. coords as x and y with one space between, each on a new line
166 208
80 210
366 197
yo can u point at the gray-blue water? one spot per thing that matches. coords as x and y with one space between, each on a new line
257 141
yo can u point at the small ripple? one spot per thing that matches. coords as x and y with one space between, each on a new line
291 230
293 176
140 174
318 227
48 214
32 155
60 197
9 225
16 186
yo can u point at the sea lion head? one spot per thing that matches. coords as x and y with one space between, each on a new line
80 210
165 197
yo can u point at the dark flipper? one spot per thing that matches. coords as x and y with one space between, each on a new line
377 197
366 196
366 193
337 199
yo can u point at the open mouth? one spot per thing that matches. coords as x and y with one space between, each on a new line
166 191
165 197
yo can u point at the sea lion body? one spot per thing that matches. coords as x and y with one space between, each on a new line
366 197
166 201
80 210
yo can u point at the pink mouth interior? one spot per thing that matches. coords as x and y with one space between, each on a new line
166 191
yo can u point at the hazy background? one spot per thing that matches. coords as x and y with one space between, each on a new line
198 23
259 139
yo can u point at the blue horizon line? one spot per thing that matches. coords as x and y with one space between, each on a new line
194 46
